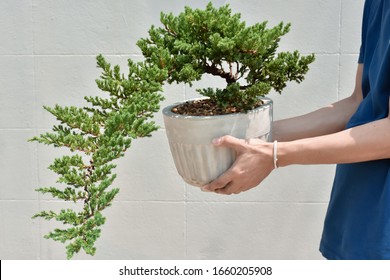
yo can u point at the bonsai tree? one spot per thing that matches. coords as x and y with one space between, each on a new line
216 42
194 43
97 135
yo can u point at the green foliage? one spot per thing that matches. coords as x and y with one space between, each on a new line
97 135
196 42
215 41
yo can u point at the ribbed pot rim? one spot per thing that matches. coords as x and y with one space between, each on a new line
167 111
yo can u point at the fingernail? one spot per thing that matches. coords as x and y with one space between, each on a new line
216 141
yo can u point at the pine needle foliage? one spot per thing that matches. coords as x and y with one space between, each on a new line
194 43
214 41
97 135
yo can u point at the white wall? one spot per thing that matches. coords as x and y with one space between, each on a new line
47 56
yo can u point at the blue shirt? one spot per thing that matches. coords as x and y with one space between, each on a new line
357 223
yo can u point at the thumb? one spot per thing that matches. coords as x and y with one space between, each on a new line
228 142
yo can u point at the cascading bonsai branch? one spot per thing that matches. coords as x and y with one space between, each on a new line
196 42
216 42
97 135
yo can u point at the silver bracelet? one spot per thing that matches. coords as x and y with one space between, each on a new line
275 154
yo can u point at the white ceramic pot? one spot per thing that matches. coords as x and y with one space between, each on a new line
196 159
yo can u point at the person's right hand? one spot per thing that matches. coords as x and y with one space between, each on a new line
254 162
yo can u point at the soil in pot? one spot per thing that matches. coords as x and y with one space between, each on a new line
206 107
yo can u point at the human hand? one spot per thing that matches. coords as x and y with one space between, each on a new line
254 162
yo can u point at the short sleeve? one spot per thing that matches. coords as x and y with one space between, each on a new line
366 14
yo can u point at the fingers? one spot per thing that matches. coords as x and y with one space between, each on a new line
231 182
229 142
223 184
229 189
219 183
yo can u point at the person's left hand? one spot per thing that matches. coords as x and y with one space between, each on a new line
254 162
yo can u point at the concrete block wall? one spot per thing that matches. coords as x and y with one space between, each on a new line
47 56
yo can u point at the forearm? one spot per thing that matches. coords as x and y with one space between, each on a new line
363 143
254 159
324 121
327 120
